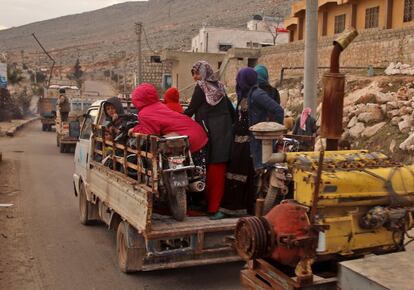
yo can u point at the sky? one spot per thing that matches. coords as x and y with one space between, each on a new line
20 12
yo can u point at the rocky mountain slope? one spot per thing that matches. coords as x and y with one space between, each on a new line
168 23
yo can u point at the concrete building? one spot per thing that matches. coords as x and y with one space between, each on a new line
334 16
226 65
219 40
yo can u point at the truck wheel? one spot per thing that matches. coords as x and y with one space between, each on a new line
57 141
43 127
62 148
85 207
130 247
178 203
270 199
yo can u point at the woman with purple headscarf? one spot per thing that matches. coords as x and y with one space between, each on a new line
253 106
215 113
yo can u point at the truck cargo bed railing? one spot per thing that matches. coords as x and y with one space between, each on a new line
146 153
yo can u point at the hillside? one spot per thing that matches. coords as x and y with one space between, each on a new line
168 23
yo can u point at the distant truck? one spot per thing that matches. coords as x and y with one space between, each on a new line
47 111
68 126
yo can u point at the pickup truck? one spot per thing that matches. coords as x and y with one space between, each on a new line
146 238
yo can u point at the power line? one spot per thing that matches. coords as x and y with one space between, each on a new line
146 40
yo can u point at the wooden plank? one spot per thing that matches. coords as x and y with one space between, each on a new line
128 200
249 280
191 225
200 242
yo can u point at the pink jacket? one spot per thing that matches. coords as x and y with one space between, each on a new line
155 118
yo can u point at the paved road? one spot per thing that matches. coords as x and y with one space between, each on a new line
67 255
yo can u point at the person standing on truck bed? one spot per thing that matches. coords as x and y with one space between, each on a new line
254 105
157 119
263 82
63 105
214 111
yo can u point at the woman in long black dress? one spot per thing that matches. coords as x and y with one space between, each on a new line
239 194
254 106
214 112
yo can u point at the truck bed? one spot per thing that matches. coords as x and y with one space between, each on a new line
166 225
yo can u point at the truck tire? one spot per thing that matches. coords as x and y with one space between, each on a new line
62 148
130 248
57 141
85 207
43 127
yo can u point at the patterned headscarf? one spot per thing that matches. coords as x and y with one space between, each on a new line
212 88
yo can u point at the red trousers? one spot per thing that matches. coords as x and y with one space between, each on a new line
216 176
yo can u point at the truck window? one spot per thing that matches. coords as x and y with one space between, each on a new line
87 124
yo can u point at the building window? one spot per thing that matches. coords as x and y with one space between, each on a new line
339 23
408 10
155 59
224 47
371 17
251 44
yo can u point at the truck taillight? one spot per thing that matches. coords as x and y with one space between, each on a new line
66 126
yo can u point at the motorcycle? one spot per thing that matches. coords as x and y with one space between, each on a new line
179 174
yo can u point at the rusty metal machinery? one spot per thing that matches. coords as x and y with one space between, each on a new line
365 205
334 91
339 205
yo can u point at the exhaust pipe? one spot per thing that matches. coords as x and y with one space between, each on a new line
334 91
196 186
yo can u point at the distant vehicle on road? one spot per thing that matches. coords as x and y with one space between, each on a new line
47 111
68 124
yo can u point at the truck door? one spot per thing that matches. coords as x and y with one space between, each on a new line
83 150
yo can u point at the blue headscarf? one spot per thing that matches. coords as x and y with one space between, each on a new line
262 74
245 79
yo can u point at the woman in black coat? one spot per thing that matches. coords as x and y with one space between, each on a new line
215 113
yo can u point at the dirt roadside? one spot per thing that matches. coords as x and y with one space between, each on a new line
16 262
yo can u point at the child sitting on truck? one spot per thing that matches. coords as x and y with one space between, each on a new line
157 119
116 119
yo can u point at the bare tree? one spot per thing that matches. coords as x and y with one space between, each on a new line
272 23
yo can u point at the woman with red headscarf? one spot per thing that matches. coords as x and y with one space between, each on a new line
305 125
172 100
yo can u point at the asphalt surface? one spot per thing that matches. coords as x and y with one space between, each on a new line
68 255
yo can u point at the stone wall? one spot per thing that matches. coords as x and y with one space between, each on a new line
154 71
374 47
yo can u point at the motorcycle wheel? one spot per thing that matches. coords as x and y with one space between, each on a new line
178 203
177 198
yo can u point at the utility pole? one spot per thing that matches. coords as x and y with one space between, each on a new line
124 93
311 55
138 32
